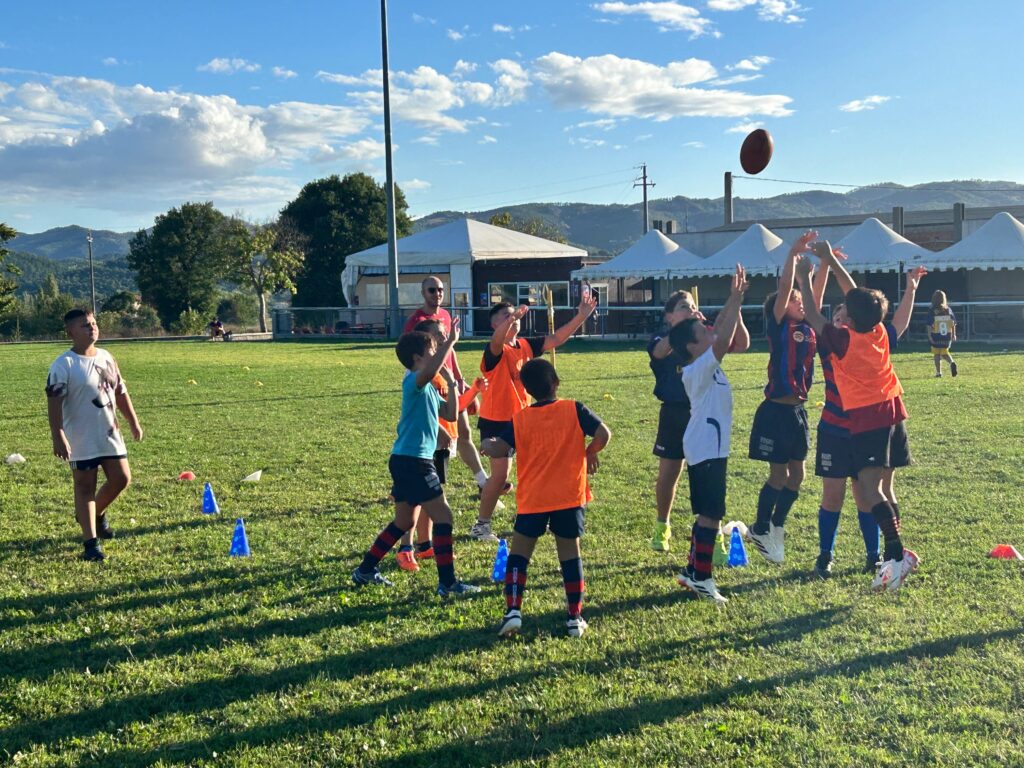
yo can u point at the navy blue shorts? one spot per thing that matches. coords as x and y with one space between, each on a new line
87 464
414 480
490 428
833 455
566 523
780 433
441 464
887 447
672 421
707 487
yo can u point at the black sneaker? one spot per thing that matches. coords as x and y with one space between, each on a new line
103 529
93 551
376 578
823 567
952 369
870 564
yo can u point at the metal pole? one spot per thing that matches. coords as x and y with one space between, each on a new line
92 274
394 313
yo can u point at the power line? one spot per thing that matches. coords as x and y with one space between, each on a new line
885 186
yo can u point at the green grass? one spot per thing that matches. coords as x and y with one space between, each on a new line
171 653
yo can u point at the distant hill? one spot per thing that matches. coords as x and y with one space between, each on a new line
63 243
613 228
112 275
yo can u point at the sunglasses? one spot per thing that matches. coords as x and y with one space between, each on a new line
434 289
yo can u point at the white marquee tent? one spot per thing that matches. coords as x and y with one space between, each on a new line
996 244
653 255
760 252
874 247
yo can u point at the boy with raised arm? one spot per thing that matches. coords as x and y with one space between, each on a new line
706 440
872 396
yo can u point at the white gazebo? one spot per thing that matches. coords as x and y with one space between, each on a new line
653 255
874 247
996 244
760 251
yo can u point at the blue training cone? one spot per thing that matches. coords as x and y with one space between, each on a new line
500 562
737 551
240 542
209 501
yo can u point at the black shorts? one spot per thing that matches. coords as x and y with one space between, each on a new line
87 464
707 487
833 455
672 421
780 433
886 447
414 480
441 464
566 523
489 428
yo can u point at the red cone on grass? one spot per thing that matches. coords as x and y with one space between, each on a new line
1006 552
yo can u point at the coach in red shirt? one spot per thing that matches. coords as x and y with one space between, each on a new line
432 289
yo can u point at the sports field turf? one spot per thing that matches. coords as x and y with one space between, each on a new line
171 653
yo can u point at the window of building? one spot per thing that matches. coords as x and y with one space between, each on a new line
529 293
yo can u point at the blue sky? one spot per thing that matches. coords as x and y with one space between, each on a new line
110 115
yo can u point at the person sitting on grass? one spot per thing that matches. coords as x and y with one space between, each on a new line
413 473
216 328
83 388
706 440
554 461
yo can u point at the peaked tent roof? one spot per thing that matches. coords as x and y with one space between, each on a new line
996 244
653 255
760 251
874 247
463 242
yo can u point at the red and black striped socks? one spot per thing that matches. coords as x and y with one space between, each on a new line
572 576
443 553
703 550
515 581
381 546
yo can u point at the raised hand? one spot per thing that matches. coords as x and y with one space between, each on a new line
914 277
839 253
739 281
588 303
823 250
804 268
456 329
803 243
521 311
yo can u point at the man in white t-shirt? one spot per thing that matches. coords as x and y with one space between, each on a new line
83 389
706 439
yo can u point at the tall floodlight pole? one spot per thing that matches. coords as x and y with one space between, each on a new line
92 274
394 313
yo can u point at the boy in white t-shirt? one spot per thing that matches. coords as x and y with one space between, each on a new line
82 390
706 439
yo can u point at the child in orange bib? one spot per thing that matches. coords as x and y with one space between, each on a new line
549 438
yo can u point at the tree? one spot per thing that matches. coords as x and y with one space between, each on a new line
267 258
338 217
179 263
8 285
122 301
536 227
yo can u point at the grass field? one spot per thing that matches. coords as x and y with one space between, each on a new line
171 653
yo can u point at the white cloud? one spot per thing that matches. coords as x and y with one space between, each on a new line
734 79
786 11
668 15
618 87
228 66
604 124
369 77
644 137
746 127
110 61
488 140
463 67
862 105
454 34
502 28
430 139
512 82
283 73
414 184
753 64
694 144
423 19
586 143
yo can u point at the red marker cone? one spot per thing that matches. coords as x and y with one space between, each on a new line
1006 552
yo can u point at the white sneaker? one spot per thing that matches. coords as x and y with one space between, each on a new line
777 535
577 626
892 573
764 544
511 624
482 531
703 588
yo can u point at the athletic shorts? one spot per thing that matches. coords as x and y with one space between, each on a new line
833 455
414 480
780 433
707 488
86 464
940 351
489 428
672 421
886 447
566 523
441 464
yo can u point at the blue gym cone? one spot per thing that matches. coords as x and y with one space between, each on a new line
209 501
500 562
240 542
737 552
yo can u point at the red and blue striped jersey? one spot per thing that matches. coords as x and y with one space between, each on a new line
791 348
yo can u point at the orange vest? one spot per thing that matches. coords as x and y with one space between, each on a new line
451 427
506 396
551 459
864 375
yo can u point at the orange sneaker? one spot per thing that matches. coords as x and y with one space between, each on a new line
426 554
406 561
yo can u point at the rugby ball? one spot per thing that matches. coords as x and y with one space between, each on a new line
756 151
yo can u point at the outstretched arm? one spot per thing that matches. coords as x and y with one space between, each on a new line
832 259
728 319
503 333
436 360
786 279
812 312
587 305
901 317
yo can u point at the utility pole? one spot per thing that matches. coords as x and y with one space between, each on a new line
92 274
394 312
643 182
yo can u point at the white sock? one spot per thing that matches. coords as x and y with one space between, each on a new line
481 478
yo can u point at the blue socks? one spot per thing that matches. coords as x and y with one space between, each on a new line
828 523
871 532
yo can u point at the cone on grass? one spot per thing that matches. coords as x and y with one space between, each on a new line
737 552
209 501
254 477
188 475
720 555
240 542
1006 552
500 562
